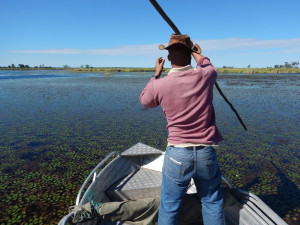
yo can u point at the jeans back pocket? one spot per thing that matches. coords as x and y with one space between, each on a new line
174 168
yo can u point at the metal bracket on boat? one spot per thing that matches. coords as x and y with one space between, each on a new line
94 175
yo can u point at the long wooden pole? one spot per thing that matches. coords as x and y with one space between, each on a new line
175 29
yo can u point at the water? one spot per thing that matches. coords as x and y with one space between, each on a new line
56 126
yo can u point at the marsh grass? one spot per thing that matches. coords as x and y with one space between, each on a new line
260 70
108 70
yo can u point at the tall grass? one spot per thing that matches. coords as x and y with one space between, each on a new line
260 70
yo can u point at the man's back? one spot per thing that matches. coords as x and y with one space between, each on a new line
186 96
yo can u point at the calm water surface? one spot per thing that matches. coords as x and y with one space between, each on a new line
56 126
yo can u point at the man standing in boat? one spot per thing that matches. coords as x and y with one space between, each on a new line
185 96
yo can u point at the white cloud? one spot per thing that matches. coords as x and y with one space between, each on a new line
122 50
251 44
237 45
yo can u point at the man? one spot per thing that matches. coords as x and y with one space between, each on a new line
185 96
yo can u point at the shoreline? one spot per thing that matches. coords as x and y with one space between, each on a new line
109 70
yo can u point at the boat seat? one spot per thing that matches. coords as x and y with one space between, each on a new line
143 183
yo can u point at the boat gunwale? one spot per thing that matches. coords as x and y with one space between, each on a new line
92 174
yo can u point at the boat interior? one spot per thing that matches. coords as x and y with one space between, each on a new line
136 174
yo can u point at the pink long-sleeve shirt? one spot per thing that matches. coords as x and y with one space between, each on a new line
185 96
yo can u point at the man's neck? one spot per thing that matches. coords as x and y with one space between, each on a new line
180 69
179 66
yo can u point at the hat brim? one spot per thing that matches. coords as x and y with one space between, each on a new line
163 47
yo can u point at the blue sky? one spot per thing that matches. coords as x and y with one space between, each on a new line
111 33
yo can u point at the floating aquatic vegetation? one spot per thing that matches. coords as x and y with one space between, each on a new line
55 131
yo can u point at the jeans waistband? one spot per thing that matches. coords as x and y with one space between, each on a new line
192 148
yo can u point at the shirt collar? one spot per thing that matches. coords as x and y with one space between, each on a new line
180 69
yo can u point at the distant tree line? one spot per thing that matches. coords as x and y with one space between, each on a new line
288 65
22 66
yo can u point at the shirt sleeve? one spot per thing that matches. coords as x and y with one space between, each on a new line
206 65
147 97
204 62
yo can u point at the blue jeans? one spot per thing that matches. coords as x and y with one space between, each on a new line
180 165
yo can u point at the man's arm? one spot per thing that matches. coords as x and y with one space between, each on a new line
147 97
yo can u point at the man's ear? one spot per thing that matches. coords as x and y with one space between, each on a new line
169 58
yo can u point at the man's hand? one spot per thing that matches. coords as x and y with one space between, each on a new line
159 66
197 48
197 51
197 55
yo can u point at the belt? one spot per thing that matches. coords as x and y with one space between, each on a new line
195 147
192 147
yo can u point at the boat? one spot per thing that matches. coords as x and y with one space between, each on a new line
136 174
